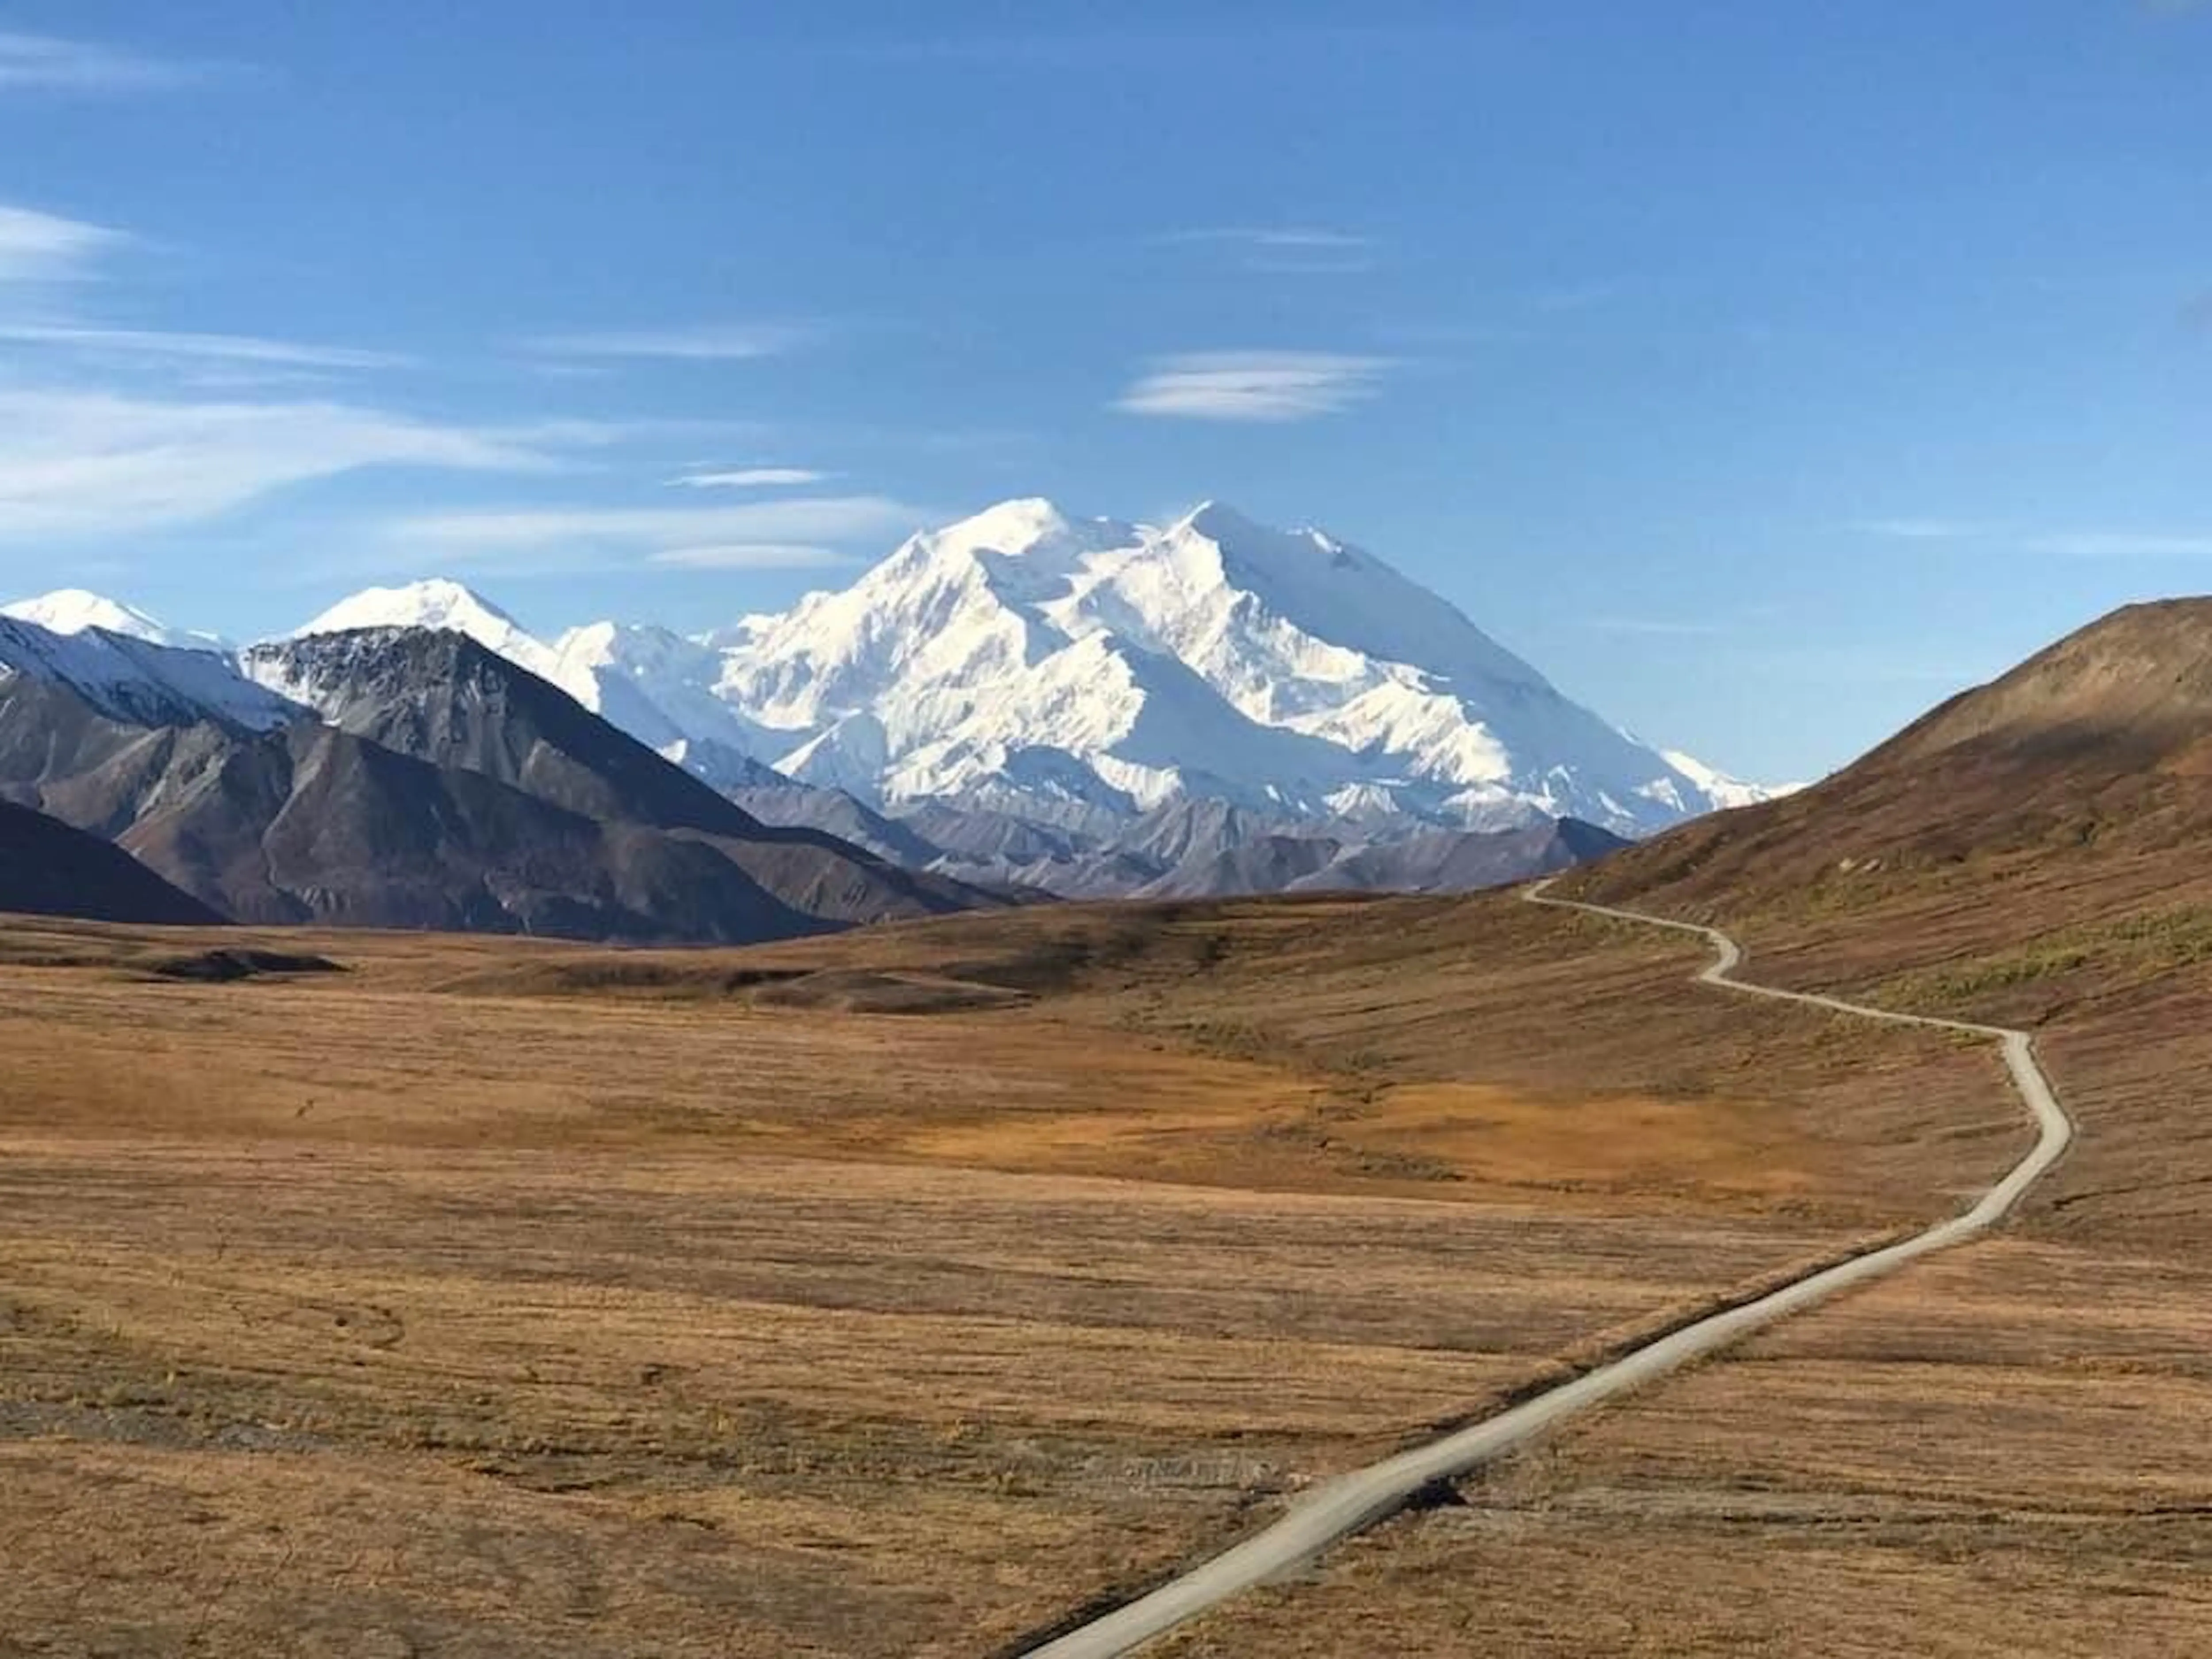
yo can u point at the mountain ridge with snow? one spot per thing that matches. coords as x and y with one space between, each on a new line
72 611
1085 673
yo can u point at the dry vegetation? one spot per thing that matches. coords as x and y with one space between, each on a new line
890 1293
2005 1451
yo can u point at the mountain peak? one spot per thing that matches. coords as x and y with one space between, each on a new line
1215 658
1010 526
136 681
436 602
1217 521
69 611
1237 532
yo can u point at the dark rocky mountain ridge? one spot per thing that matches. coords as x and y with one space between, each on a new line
521 813
49 869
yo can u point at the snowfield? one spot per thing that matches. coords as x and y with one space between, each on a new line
1087 672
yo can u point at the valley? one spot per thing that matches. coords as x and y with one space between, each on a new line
510 1294
1173 831
2002 1452
925 1286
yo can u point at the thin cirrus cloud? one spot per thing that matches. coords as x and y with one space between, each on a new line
2124 544
705 342
2092 543
795 532
45 248
1290 250
1666 627
1928 530
92 464
751 477
218 347
1266 387
44 63
1278 237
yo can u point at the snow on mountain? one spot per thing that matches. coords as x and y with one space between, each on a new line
71 611
658 686
138 682
1214 657
653 684
437 604
1724 791
1083 672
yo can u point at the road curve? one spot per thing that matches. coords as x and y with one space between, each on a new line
1352 1502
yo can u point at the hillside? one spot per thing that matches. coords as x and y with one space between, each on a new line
2082 777
49 869
2035 851
442 787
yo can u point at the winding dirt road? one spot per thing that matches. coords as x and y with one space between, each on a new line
1352 1502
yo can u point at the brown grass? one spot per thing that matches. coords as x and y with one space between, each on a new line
2003 1451
885 1294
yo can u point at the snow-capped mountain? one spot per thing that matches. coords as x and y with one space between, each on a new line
135 679
654 684
1724 791
72 611
1033 662
436 605
1029 691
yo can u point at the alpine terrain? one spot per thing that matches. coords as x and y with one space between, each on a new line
1093 708
432 784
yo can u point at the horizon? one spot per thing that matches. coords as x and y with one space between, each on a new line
1735 443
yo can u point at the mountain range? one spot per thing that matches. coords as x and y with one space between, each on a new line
429 783
1021 703
1087 670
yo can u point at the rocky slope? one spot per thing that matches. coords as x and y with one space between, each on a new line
49 869
1028 700
431 784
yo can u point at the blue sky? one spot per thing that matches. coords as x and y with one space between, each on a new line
1763 374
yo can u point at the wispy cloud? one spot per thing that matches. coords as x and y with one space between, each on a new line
80 464
700 342
750 556
2072 543
44 247
221 347
1278 237
1255 385
751 477
2124 544
1293 250
1928 530
793 530
48 64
